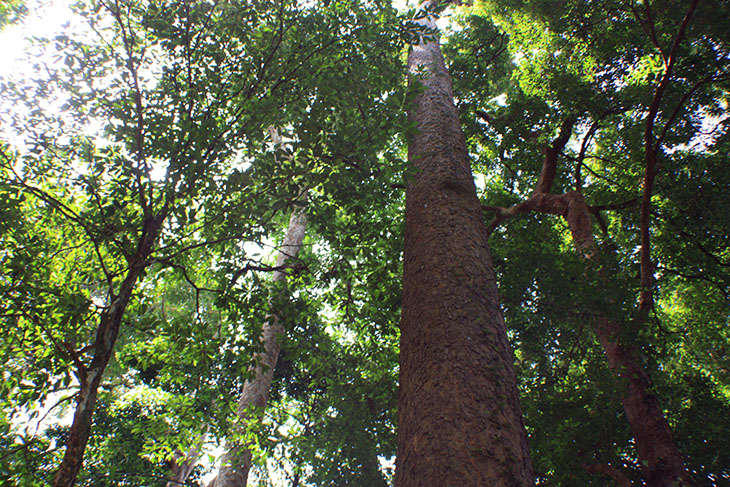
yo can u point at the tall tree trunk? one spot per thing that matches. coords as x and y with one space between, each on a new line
90 376
237 460
459 418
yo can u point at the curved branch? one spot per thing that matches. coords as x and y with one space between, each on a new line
550 163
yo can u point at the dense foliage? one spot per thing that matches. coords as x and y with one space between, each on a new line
140 158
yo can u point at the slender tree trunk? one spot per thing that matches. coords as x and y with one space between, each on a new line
237 460
459 418
78 435
90 377
661 462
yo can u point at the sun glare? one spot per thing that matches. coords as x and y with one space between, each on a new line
44 19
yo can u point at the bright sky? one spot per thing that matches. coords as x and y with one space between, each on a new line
45 18
48 18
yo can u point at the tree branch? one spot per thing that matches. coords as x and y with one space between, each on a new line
646 300
549 165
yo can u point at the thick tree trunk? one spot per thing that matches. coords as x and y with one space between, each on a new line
459 418
90 377
237 460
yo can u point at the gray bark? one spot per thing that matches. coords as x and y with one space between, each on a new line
237 459
184 463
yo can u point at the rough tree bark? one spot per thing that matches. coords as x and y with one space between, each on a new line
459 417
106 335
237 459
662 464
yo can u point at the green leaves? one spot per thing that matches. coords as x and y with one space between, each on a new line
162 113
604 65
11 11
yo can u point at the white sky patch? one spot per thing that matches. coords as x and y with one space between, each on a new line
22 57
402 5
480 180
443 21
44 19
387 465
500 100
56 409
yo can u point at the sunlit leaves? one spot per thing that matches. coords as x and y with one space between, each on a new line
604 64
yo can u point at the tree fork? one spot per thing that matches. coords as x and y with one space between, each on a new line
662 463
106 336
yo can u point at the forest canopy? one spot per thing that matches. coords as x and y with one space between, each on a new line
212 214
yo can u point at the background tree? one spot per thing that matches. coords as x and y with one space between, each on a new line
125 220
217 165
